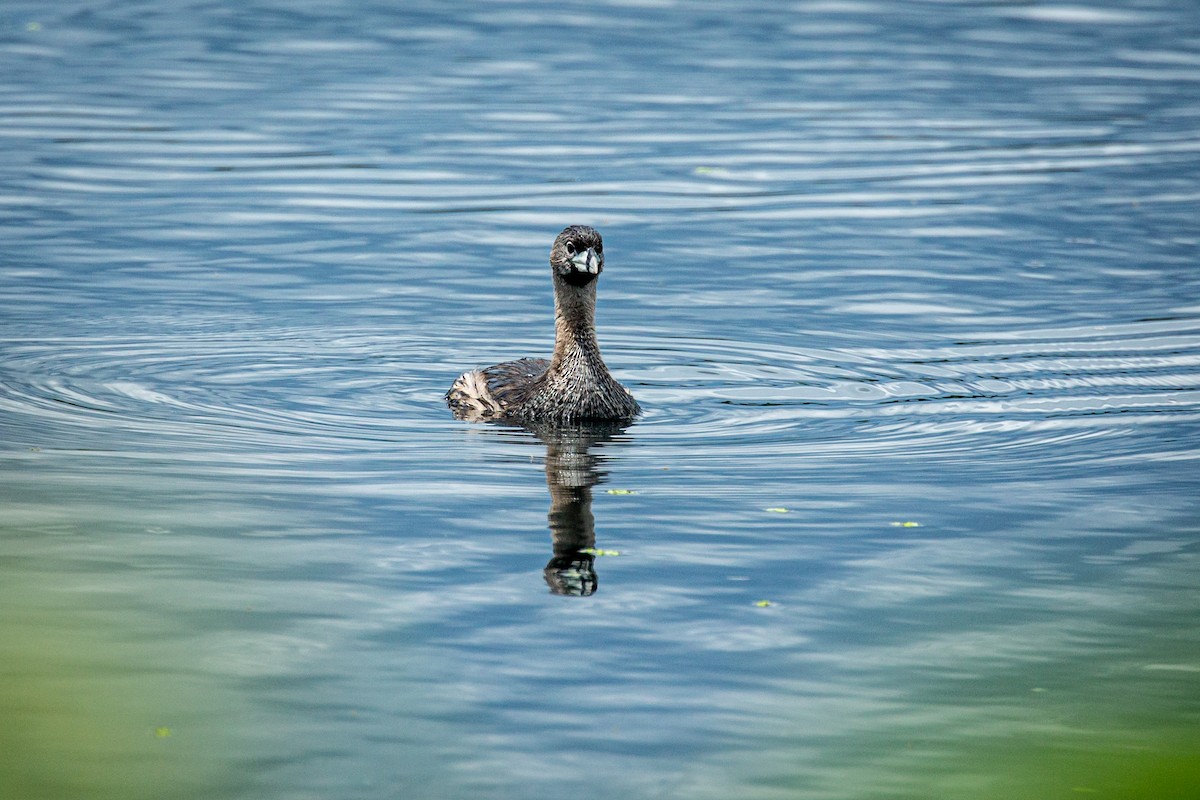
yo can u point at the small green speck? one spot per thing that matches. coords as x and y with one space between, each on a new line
906 524
162 733
778 510
621 491
33 27
592 551
764 604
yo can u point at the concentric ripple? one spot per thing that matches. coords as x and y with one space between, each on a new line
1030 390
271 390
311 391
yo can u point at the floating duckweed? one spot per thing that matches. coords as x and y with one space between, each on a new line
162 732
906 524
778 510
764 604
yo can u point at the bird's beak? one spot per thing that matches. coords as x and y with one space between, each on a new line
587 261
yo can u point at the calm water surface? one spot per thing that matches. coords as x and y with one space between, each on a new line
909 292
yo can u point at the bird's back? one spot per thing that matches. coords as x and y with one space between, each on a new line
496 391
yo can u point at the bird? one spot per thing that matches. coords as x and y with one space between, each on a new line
574 384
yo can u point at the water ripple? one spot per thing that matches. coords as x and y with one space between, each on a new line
354 392
940 401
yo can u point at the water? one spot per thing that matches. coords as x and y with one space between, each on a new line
908 292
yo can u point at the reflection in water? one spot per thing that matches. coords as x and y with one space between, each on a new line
571 472
572 469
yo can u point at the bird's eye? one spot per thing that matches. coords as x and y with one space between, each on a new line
570 248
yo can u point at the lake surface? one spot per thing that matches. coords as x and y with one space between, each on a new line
909 292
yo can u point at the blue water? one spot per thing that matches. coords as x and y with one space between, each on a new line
908 292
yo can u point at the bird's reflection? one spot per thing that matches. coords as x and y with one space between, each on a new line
572 469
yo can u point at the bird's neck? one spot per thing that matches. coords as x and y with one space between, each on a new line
574 325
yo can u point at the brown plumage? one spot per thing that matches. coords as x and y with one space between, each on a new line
574 383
